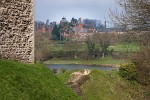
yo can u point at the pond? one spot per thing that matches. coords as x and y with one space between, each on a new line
76 66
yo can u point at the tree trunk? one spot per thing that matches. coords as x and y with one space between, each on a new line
103 55
75 55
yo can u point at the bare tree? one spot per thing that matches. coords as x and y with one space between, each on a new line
102 42
136 17
42 46
135 14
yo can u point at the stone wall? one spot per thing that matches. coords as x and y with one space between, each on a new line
17 30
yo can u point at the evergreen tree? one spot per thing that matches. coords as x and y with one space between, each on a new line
55 33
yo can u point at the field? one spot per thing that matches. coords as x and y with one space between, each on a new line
124 48
132 47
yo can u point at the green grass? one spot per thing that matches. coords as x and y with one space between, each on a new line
107 60
132 47
56 48
108 85
31 82
61 47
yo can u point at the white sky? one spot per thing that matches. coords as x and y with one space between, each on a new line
54 10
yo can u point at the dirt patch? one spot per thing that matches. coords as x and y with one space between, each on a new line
77 79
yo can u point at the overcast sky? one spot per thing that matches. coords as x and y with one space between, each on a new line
54 10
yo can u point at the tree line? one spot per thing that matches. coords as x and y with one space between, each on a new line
135 18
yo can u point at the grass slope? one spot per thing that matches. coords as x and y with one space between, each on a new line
31 82
108 85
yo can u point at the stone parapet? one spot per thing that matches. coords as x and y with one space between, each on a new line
17 30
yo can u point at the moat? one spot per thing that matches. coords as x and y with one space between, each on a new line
76 66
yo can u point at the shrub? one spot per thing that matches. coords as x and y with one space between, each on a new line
54 71
63 70
128 71
142 62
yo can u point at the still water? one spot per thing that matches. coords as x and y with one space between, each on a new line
75 66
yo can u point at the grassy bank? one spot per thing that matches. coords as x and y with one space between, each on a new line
31 82
103 61
108 85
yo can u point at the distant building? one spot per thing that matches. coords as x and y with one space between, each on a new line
90 28
74 21
41 27
80 23
77 25
63 20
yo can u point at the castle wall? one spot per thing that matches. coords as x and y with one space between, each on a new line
17 30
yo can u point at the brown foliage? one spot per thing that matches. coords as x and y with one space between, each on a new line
142 60
135 14
42 49
136 17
